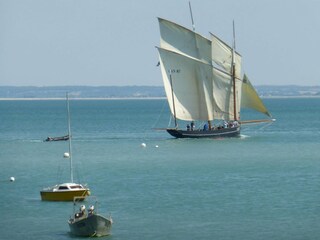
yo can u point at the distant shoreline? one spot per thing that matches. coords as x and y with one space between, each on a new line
130 98
77 98
135 92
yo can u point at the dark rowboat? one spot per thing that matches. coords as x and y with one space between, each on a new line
63 138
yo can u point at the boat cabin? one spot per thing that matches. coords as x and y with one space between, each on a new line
68 187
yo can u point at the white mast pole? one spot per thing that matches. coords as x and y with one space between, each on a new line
193 26
69 133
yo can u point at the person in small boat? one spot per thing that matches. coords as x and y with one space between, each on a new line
188 127
81 212
91 210
205 127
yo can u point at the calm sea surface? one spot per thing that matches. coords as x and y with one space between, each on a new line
262 185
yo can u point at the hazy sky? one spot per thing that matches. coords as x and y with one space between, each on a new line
112 42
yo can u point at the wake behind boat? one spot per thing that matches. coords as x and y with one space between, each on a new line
66 191
203 83
89 223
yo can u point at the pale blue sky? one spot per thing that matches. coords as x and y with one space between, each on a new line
112 42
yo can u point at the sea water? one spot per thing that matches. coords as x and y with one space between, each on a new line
263 185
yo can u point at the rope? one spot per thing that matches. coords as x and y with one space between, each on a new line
161 112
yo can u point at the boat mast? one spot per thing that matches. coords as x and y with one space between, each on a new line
194 29
174 107
234 75
69 133
193 26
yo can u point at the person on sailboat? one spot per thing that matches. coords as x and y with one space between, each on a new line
188 127
192 125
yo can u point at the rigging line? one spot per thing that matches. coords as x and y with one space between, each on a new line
266 125
170 120
161 112
79 165
222 71
59 173
263 125
78 175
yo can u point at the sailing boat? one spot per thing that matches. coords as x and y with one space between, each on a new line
202 81
66 191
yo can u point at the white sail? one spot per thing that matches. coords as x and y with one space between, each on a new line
223 95
191 80
251 99
222 56
198 76
184 41
200 91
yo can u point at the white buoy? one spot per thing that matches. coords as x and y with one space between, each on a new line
143 145
66 155
12 179
157 146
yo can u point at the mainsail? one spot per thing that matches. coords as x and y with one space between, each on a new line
190 84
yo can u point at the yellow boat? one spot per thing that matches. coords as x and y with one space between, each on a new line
66 191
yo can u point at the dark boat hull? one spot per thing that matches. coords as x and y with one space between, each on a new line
92 226
52 139
214 133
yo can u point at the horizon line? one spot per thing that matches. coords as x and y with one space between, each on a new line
43 86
